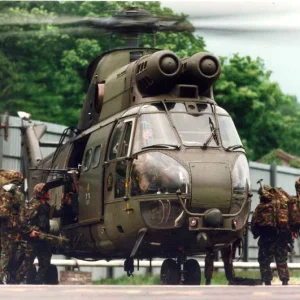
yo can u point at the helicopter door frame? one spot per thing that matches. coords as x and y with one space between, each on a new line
91 204
116 174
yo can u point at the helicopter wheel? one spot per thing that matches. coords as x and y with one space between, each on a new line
192 272
169 272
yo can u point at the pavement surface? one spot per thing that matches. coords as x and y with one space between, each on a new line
74 292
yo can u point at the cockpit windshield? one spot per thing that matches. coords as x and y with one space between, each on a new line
196 130
154 130
229 134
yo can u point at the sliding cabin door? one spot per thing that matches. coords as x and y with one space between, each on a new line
91 177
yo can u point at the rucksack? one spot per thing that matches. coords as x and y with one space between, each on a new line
281 201
293 205
264 215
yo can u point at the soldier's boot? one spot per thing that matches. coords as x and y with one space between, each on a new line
208 282
267 282
285 282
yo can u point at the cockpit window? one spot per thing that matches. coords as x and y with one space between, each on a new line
221 111
195 130
203 107
181 107
175 107
229 134
154 130
157 173
153 107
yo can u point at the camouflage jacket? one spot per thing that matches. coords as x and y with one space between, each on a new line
38 215
11 209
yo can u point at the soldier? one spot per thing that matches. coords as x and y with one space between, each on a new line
12 200
38 216
297 187
272 242
227 257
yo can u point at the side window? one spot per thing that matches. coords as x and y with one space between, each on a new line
115 143
87 160
96 157
126 140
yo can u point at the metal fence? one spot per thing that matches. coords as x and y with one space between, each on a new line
271 174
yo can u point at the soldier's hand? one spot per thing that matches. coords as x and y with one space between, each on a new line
34 233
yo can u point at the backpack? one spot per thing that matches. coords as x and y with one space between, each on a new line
264 215
281 202
293 204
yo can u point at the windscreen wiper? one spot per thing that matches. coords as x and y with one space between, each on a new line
167 146
234 147
212 135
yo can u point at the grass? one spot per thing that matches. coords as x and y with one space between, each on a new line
218 278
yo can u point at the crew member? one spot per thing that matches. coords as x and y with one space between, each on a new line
11 202
38 218
272 242
227 257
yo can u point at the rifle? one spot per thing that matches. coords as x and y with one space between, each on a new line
67 176
53 239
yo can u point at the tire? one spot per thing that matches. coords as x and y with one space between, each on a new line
192 272
169 272
51 276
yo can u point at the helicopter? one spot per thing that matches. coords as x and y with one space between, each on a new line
155 168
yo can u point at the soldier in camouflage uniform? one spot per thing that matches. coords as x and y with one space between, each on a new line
11 203
38 216
272 244
227 257
297 187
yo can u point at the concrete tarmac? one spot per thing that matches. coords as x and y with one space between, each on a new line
112 292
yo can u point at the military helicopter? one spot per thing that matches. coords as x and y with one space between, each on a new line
155 168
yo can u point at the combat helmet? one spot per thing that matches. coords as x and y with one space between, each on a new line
10 176
39 192
267 192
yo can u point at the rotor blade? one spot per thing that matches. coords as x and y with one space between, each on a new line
286 22
72 31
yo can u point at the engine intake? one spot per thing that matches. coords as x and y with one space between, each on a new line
157 73
201 69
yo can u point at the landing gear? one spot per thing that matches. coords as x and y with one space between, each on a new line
129 266
182 271
170 273
192 272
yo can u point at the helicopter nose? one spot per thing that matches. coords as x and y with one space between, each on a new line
213 218
211 185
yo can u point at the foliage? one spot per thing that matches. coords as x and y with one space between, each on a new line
271 158
42 71
218 278
133 280
265 117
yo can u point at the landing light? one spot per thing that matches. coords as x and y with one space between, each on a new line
193 222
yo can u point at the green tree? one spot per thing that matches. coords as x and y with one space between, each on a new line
43 71
265 117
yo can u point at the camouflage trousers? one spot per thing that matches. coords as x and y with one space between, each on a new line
41 250
226 254
8 246
268 250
